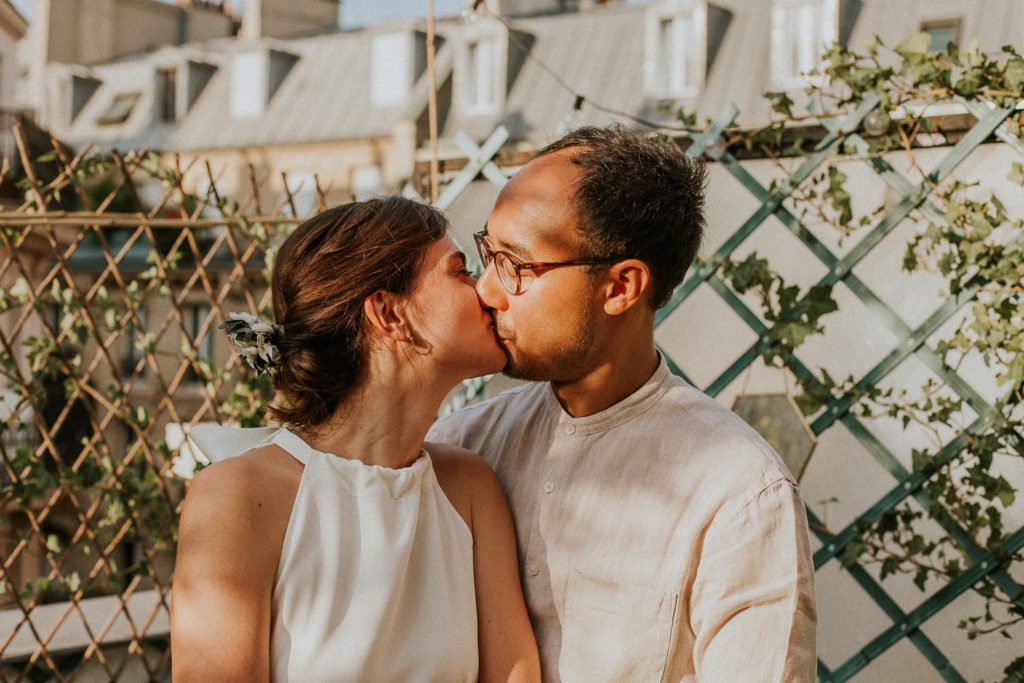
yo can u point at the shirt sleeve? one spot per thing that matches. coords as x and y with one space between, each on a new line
752 600
443 431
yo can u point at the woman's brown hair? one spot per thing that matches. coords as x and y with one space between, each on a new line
324 272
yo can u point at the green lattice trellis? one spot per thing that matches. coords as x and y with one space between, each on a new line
842 132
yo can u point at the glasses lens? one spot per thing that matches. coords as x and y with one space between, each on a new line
507 273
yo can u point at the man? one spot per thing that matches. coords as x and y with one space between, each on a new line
660 538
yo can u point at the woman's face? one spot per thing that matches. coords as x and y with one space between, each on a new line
447 317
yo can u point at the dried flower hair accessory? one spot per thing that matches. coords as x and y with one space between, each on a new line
255 340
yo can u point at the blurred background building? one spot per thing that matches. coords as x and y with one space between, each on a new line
282 86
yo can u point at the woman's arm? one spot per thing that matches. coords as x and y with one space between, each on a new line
508 650
220 607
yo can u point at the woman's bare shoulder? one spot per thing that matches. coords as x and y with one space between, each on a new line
465 477
246 492
455 459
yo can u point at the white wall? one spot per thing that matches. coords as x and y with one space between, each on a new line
854 341
8 69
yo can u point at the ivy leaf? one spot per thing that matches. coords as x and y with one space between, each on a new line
53 543
1013 75
749 273
781 103
1017 173
915 46
1005 492
921 578
1015 670
807 403
980 227
971 82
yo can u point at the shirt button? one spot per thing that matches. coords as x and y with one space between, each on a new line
532 570
570 429
549 486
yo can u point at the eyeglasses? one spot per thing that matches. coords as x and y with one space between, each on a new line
510 267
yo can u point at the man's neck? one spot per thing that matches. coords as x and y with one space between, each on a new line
622 371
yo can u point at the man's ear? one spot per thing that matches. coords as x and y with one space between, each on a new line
384 311
627 284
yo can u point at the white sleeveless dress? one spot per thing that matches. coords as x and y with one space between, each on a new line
375 581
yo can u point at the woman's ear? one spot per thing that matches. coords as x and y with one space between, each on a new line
628 282
384 311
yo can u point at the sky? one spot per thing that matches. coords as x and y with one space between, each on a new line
353 12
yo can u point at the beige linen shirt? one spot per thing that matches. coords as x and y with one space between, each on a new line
659 540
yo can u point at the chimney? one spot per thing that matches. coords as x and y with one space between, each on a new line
519 8
287 18
398 58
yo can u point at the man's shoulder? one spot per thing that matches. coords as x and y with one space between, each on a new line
452 428
711 434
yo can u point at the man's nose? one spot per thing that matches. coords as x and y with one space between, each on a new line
490 291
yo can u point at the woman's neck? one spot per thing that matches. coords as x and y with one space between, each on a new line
384 421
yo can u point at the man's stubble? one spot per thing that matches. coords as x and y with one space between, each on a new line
567 363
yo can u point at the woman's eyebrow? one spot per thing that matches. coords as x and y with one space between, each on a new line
457 255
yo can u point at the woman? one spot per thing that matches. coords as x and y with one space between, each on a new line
344 548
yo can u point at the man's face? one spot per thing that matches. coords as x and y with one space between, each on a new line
547 330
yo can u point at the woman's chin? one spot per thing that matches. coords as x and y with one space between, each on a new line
493 363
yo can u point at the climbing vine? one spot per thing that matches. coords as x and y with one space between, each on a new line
971 240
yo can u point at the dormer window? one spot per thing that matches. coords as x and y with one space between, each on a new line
120 109
801 32
167 95
248 85
255 77
176 87
942 33
481 68
675 56
481 89
81 90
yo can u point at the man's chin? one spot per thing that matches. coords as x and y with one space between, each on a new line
531 372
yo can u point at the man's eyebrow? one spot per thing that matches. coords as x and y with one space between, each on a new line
517 248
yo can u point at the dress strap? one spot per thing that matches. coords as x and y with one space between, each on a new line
291 442
211 442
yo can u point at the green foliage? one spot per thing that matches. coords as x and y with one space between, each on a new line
111 471
791 317
977 247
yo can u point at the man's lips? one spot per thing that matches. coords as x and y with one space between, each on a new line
501 334
499 330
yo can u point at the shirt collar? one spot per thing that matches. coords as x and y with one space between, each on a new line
625 410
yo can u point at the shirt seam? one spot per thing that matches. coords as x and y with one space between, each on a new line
627 418
753 499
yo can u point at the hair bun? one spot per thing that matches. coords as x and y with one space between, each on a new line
256 341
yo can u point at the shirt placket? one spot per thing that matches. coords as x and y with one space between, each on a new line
548 489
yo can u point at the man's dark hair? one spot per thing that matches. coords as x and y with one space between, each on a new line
638 196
